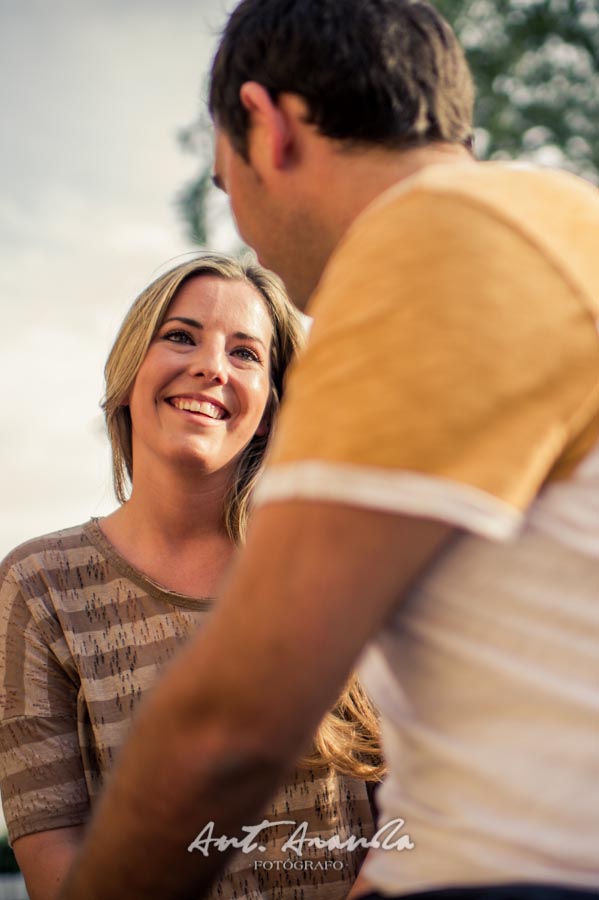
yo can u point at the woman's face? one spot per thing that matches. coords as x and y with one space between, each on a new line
202 390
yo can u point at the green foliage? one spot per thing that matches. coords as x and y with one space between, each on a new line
191 202
192 198
195 200
536 68
8 862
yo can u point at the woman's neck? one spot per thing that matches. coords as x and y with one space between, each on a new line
172 530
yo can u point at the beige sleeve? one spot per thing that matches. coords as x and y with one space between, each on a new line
450 366
41 772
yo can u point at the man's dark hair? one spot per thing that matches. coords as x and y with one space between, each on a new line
385 72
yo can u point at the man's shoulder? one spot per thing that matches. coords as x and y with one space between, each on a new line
501 182
518 192
465 210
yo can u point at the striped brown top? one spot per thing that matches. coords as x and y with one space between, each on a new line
83 637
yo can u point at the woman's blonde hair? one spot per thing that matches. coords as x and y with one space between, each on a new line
348 737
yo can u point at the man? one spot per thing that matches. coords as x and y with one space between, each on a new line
433 486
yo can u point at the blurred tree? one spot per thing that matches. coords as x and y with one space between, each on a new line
536 67
192 199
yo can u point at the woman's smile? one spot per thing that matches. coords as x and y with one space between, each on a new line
203 407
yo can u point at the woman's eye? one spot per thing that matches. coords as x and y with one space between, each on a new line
247 354
178 337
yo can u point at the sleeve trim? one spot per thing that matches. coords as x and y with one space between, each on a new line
411 493
36 823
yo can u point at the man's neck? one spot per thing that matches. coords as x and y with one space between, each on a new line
365 175
337 184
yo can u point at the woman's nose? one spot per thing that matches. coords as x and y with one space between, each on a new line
209 363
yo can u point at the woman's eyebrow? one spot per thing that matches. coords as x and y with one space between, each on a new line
192 322
242 336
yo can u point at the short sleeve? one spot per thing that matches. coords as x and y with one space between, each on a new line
42 780
450 366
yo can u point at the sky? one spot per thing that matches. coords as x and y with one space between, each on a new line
93 94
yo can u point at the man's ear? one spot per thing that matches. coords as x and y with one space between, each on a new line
270 130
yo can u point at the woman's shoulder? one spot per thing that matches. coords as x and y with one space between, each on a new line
46 550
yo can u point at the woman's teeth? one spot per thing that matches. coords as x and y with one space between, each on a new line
199 406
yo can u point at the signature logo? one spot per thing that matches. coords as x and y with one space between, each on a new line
388 837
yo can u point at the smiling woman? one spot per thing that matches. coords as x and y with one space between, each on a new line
202 392
90 615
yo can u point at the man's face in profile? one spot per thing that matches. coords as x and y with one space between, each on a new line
273 217
236 177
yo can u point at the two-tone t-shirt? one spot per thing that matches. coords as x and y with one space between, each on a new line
452 373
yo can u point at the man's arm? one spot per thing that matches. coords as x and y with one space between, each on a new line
237 708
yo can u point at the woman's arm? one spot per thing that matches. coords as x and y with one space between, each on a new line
42 778
45 858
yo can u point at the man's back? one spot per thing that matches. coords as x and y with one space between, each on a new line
464 316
